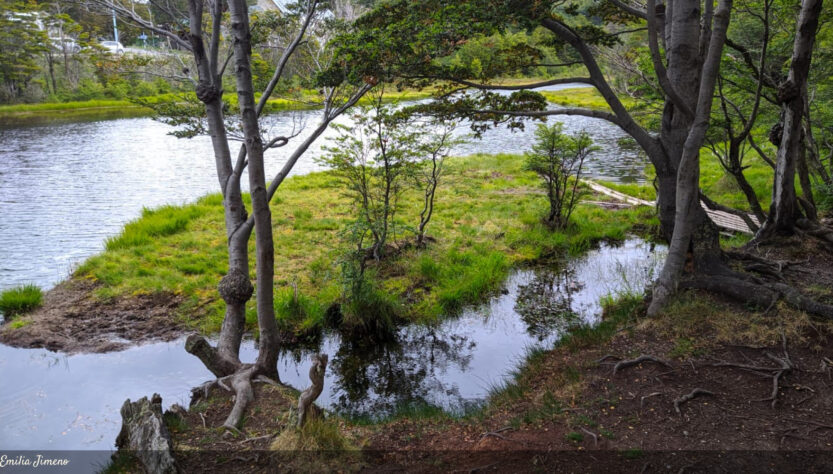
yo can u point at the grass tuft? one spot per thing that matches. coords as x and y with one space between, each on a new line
19 300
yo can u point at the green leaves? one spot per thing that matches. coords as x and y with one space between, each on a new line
21 40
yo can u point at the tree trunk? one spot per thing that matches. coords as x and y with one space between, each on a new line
693 232
784 211
267 359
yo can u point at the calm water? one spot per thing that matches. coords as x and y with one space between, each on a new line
65 188
54 401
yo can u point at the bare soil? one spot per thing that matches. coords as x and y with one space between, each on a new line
628 422
73 320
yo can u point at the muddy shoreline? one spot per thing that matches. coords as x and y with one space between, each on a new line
72 320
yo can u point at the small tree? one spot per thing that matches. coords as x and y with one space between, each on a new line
556 157
435 147
374 156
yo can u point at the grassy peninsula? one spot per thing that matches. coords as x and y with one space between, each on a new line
488 216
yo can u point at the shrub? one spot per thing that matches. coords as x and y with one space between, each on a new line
20 300
369 311
557 157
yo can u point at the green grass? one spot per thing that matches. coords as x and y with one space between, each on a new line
417 410
19 300
587 97
641 191
97 106
487 219
55 106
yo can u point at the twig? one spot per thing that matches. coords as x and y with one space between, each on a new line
496 433
693 394
203 421
642 400
256 438
595 438
481 468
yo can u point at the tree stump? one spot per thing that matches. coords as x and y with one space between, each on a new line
144 434
308 396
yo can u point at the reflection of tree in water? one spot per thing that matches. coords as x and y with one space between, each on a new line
374 379
546 303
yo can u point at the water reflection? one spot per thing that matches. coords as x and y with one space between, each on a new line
452 365
546 303
372 380
56 401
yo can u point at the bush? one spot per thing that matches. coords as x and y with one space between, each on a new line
20 300
557 158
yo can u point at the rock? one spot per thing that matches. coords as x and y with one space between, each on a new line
144 434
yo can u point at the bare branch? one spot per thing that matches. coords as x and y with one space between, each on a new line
637 12
534 85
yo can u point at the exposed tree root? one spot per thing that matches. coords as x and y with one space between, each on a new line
642 400
690 396
593 435
643 358
606 357
815 229
759 293
241 382
266 380
785 365
496 434
210 356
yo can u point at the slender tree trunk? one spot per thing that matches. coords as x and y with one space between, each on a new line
784 210
807 203
267 359
235 287
736 170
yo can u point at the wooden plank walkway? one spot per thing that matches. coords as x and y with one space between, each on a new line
724 220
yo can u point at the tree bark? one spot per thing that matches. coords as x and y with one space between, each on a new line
225 359
784 211
267 359
689 219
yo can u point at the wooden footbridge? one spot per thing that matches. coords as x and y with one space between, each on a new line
722 219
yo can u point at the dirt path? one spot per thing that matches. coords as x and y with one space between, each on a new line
71 320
